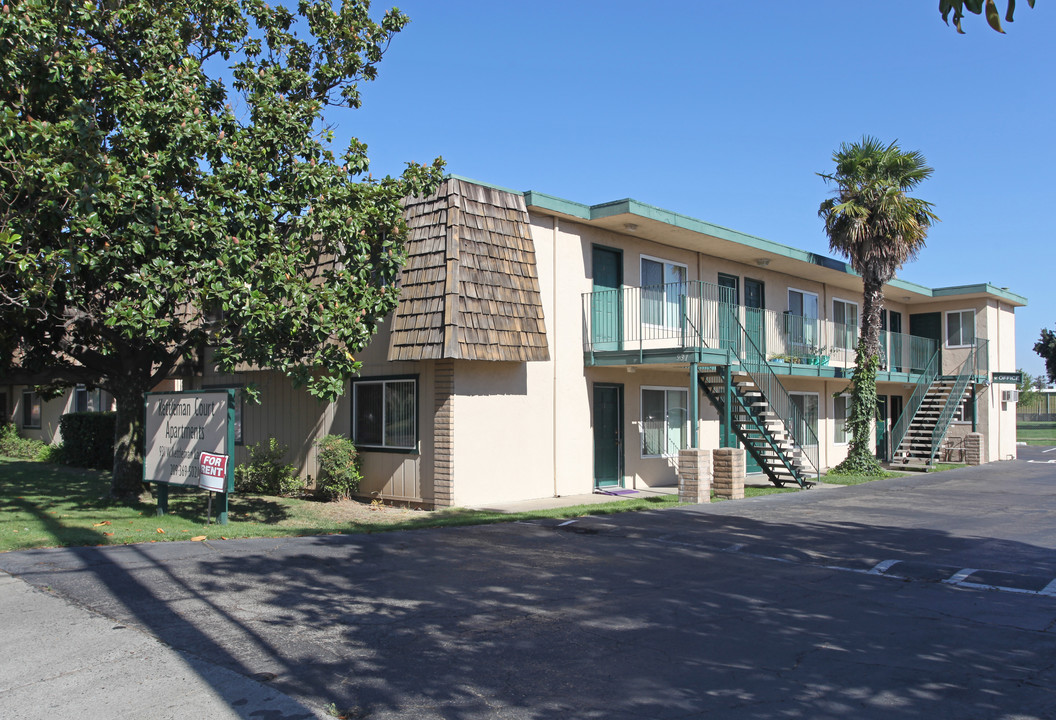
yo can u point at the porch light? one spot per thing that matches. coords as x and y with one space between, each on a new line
630 227
762 262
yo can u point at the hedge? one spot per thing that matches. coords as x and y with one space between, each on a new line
88 439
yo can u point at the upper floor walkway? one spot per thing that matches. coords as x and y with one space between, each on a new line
696 321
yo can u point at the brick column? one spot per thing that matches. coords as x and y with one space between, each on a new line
974 454
728 466
443 433
694 476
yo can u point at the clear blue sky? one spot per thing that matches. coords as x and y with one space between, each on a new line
725 111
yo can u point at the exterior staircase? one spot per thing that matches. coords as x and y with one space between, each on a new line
763 432
916 451
929 420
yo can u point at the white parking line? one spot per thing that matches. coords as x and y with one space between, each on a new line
882 567
960 575
1049 450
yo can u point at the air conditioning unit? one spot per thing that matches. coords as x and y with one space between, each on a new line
1010 396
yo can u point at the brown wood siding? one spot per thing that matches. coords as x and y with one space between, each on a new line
470 288
444 433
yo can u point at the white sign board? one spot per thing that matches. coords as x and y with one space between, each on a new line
179 428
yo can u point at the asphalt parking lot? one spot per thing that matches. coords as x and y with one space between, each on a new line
927 595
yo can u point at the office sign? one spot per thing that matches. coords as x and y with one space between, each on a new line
1013 378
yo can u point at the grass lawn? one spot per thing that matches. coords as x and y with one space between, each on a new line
1036 433
46 505
830 479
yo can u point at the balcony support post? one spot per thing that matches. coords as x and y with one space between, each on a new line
694 399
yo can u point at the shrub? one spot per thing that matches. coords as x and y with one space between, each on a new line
339 474
54 454
12 445
266 474
88 439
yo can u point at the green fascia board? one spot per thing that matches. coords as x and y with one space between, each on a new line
629 206
986 288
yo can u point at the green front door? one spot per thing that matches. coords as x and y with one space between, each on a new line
895 326
729 302
928 325
606 311
753 313
608 434
881 428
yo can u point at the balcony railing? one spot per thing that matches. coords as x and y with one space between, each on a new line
691 315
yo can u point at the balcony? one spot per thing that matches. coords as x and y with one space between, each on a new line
695 322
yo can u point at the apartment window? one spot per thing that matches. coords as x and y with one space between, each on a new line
663 291
841 405
94 400
845 324
960 328
30 409
806 425
963 414
665 421
384 414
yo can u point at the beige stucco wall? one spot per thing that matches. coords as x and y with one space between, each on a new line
51 411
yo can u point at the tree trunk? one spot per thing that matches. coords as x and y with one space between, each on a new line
872 307
126 482
860 458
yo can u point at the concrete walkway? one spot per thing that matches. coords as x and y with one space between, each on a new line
60 660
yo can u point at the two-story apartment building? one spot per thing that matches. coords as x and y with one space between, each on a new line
542 347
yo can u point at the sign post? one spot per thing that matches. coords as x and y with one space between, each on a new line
190 439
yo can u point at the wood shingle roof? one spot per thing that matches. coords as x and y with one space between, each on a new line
470 288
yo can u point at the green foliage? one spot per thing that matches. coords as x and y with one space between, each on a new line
266 473
1046 349
993 16
861 418
168 181
1029 388
52 454
88 439
339 473
13 445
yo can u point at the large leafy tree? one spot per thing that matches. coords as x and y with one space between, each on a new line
1046 348
993 15
877 226
167 182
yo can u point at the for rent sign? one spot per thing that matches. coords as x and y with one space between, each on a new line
181 427
212 472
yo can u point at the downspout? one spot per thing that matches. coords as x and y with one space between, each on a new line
553 351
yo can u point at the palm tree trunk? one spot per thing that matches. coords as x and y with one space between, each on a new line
860 458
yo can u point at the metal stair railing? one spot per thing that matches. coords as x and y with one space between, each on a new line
774 394
966 372
901 427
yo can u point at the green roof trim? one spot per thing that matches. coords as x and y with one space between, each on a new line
629 206
987 288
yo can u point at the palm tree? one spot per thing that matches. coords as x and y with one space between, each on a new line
878 227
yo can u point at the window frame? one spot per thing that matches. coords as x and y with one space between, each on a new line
665 320
836 420
664 389
817 404
960 329
963 414
817 301
31 399
384 381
